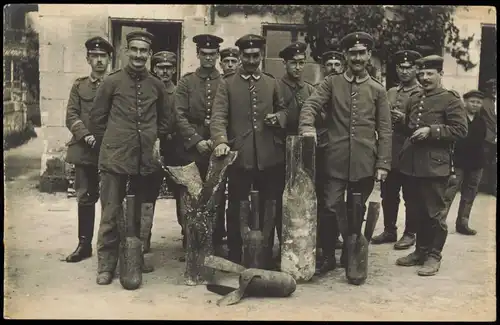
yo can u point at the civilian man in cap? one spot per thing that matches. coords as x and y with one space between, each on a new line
407 74
81 149
354 157
164 67
229 59
131 112
333 62
249 118
469 161
434 119
194 99
489 114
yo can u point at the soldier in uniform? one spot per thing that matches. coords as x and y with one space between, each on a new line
249 118
354 157
229 59
194 99
434 119
333 62
164 67
131 112
81 149
468 171
407 74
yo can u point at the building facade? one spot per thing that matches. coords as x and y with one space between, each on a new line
63 30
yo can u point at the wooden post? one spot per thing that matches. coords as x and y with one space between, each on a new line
298 248
201 209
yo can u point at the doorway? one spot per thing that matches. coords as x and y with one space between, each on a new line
488 56
168 35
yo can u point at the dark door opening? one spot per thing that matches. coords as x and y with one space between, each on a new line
488 56
167 38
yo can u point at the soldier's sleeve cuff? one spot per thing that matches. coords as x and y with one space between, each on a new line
79 130
220 139
383 164
435 131
193 140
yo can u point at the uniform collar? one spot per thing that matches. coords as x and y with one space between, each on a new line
134 74
292 83
433 92
94 79
359 79
207 74
170 86
246 76
401 87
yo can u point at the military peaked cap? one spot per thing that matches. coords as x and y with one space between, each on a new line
357 41
229 52
331 55
250 41
430 62
140 36
406 56
474 93
164 58
293 49
98 45
207 41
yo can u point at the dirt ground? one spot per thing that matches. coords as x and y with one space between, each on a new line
40 229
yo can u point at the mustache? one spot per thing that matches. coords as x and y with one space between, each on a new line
139 59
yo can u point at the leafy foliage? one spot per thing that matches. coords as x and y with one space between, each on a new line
425 28
29 63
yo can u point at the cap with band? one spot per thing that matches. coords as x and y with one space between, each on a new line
207 41
406 56
140 36
430 62
357 41
164 58
250 41
296 48
229 52
98 45
474 93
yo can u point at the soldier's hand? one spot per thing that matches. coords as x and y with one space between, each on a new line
156 152
271 119
203 147
221 150
420 134
210 144
397 115
311 134
90 140
381 175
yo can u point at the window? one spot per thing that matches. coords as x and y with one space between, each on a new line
279 36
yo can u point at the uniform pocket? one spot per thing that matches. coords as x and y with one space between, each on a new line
440 157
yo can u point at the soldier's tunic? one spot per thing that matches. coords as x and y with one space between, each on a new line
427 163
241 105
390 189
358 110
130 112
194 99
79 153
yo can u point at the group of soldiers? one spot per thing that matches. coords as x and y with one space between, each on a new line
124 121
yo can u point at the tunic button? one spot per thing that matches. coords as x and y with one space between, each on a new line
138 86
208 90
437 129
208 110
418 119
419 114
208 103
255 127
254 92
208 97
254 113
254 106
139 100
139 130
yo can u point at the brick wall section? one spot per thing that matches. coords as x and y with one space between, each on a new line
63 30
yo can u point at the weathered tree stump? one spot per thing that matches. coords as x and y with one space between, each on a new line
200 203
298 248
130 251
